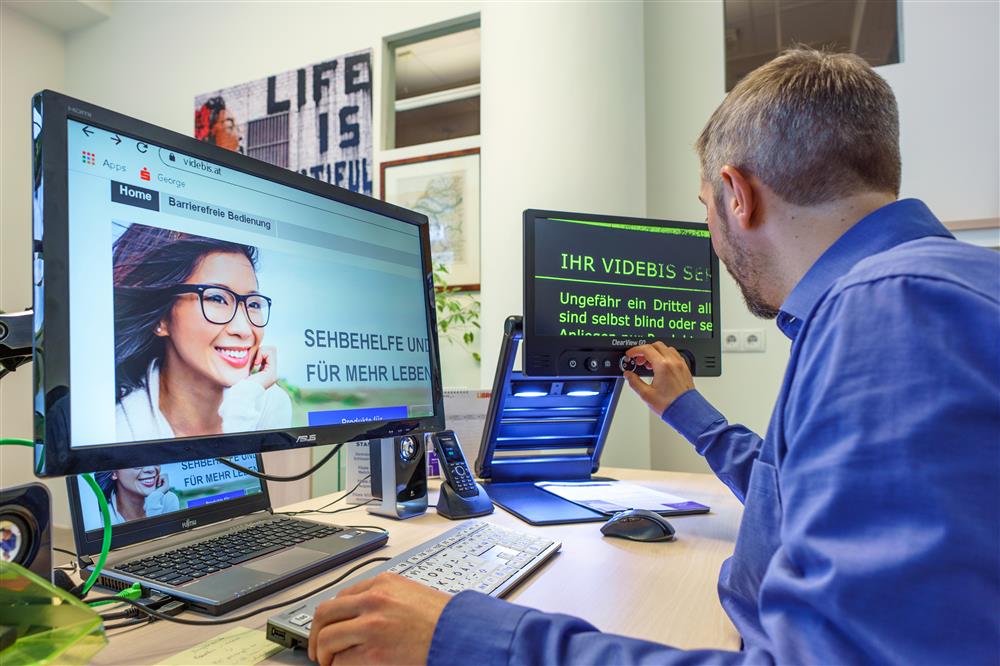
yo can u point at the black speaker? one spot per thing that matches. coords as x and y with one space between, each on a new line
399 476
26 528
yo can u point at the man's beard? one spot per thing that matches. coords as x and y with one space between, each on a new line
747 276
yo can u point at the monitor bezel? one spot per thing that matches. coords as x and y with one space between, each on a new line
54 452
89 542
540 345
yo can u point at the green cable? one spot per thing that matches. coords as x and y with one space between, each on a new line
105 514
14 440
134 591
106 543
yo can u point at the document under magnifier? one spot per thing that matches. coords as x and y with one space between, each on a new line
542 429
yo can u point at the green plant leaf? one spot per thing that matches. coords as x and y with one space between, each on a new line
457 314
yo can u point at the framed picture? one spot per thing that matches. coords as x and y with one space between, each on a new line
445 188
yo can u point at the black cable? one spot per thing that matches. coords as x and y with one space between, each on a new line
368 527
295 477
348 493
328 504
120 615
129 623
326 513
341 510
63 550
237 618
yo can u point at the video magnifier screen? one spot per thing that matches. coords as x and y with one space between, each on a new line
621 280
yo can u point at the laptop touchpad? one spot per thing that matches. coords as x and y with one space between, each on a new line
286 562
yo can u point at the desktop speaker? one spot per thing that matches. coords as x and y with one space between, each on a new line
26 528
398 476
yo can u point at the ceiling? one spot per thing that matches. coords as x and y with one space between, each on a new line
64 15
757 30
437 64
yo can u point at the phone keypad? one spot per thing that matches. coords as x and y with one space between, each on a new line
462 481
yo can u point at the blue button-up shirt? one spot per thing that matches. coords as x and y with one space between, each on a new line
871 523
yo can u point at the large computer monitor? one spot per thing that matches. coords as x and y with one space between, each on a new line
596 285
191 302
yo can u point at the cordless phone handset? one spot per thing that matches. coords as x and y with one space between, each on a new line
456 470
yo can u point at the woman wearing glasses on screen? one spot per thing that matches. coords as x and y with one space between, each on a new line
189 331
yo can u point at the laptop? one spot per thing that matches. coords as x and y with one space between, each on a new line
205 533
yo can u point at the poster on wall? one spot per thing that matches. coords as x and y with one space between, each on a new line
316 120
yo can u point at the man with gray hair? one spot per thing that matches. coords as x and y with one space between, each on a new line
871 524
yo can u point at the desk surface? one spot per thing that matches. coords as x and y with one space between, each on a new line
664 592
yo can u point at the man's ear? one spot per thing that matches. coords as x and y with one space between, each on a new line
740 198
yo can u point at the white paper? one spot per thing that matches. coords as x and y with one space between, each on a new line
465 414
237 647
614 496
358 467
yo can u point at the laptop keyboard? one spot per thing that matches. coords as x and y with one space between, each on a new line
182 565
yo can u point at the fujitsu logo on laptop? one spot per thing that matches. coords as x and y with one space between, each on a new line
189 523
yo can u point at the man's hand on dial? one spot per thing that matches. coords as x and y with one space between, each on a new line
671 375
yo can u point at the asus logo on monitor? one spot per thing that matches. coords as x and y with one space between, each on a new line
305 438
189 523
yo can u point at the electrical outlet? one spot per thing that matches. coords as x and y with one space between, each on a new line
753 340
732 341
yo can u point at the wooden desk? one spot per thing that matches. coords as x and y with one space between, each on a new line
664 592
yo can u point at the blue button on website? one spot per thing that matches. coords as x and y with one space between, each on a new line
339 416
212 499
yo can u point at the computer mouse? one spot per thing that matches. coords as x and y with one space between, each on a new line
639 525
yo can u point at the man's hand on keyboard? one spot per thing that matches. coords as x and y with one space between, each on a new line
383 620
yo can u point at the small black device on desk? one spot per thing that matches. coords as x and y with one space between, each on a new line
460 497
639 525
542 429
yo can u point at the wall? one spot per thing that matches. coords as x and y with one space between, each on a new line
563 130
947 90
31 58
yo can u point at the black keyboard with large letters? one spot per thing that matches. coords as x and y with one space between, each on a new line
182 565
